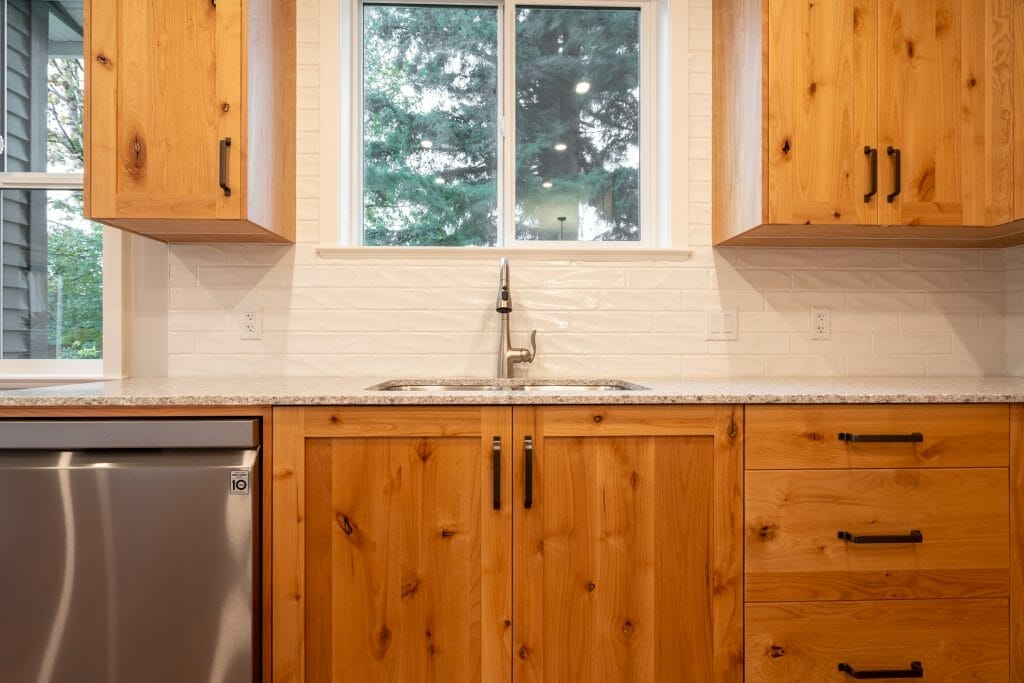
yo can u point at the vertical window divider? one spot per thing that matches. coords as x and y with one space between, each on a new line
507 143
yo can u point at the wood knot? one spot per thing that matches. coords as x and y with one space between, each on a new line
335 420
812 88
346 524
813 436
910 49
507 622
540 547
410 587
598 419
628 630
424 450
447 533
972 82
836 214
429 634
137 151
383 642
776 651
523 653
858 19
102 59
766 533
591 586
430 650
786 146
634 479
733 430
225 107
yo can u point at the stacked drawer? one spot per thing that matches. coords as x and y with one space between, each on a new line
877 542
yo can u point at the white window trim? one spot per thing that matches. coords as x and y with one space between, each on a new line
664 142
111 366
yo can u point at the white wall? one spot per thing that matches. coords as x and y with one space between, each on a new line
1015 312
910 312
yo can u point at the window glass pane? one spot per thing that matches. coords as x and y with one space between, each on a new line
577 124
52 293
43 94
430 148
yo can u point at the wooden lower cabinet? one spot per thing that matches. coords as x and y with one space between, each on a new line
953 640
410 544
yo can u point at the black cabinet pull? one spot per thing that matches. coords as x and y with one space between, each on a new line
915 671
894 153
528 465
224 144
913 437
914 536
872 153
496 470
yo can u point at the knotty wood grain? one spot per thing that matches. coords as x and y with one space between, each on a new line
955 640
626 566
799 436
793 516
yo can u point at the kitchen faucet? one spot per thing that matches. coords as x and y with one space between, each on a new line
506 354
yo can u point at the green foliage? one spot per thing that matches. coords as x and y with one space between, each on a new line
74 245
431 74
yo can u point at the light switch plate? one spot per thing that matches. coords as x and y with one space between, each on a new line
721 324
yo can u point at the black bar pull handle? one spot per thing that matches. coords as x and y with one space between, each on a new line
894 153
225 143
915 536
915 671
872 154
528 465
496 470
912 437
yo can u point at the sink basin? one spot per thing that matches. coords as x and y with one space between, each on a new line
539 385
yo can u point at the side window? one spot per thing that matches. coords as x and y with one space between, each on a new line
51 291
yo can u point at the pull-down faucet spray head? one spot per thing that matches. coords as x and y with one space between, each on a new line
504 300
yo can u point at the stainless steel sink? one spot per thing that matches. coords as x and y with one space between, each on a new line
538 385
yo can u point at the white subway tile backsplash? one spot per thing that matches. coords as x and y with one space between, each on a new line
894 312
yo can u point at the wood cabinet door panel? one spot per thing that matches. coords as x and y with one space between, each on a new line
793 518
807 436
955 640
946 95
165 86
821 111
392 548
624 565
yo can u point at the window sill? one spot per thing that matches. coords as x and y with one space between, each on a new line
617 253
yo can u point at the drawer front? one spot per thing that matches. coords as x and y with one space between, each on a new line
954 640
793 518
806 436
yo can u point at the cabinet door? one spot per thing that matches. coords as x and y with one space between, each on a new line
946 98
627 562
821 111
165 87
391 562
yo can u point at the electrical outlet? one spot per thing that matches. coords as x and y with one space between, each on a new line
821 323
250 323
721 324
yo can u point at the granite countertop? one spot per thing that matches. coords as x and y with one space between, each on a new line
233 391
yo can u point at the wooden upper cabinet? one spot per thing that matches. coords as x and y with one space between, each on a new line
821 112
945 77
819 106
190 118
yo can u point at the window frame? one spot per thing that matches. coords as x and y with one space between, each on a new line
350 174
16 372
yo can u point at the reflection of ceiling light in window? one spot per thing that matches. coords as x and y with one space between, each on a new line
426 144
582 87
560 147
546 184
439 181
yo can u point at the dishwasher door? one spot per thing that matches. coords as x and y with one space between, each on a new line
128 564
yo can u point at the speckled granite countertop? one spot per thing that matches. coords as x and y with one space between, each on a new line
229 391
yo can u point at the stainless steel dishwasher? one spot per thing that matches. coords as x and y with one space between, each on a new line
129 550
